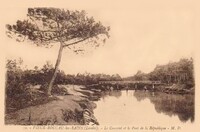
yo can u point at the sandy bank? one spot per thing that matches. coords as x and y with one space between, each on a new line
55 112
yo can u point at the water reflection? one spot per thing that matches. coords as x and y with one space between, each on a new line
114 93
170 104
128 107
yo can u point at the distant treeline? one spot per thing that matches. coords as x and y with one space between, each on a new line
16 74
181 72
173 72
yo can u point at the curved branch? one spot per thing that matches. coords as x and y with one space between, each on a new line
73 43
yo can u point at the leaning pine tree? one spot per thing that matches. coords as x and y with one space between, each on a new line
48 26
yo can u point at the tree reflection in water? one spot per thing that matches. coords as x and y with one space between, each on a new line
170 104
114 93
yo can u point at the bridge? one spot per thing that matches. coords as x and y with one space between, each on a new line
130 84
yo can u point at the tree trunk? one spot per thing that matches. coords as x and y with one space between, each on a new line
55 70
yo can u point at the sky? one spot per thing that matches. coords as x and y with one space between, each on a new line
142 36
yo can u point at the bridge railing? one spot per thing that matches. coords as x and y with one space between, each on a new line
129 82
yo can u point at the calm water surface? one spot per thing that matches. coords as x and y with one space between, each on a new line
142 107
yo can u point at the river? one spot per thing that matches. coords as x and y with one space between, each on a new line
143 107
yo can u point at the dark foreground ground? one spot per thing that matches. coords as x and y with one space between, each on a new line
62 110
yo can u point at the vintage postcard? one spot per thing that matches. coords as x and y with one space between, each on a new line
127 66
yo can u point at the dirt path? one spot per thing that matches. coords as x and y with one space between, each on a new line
52 112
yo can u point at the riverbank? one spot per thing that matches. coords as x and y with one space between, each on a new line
63 109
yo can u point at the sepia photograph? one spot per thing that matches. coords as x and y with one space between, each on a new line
96 66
